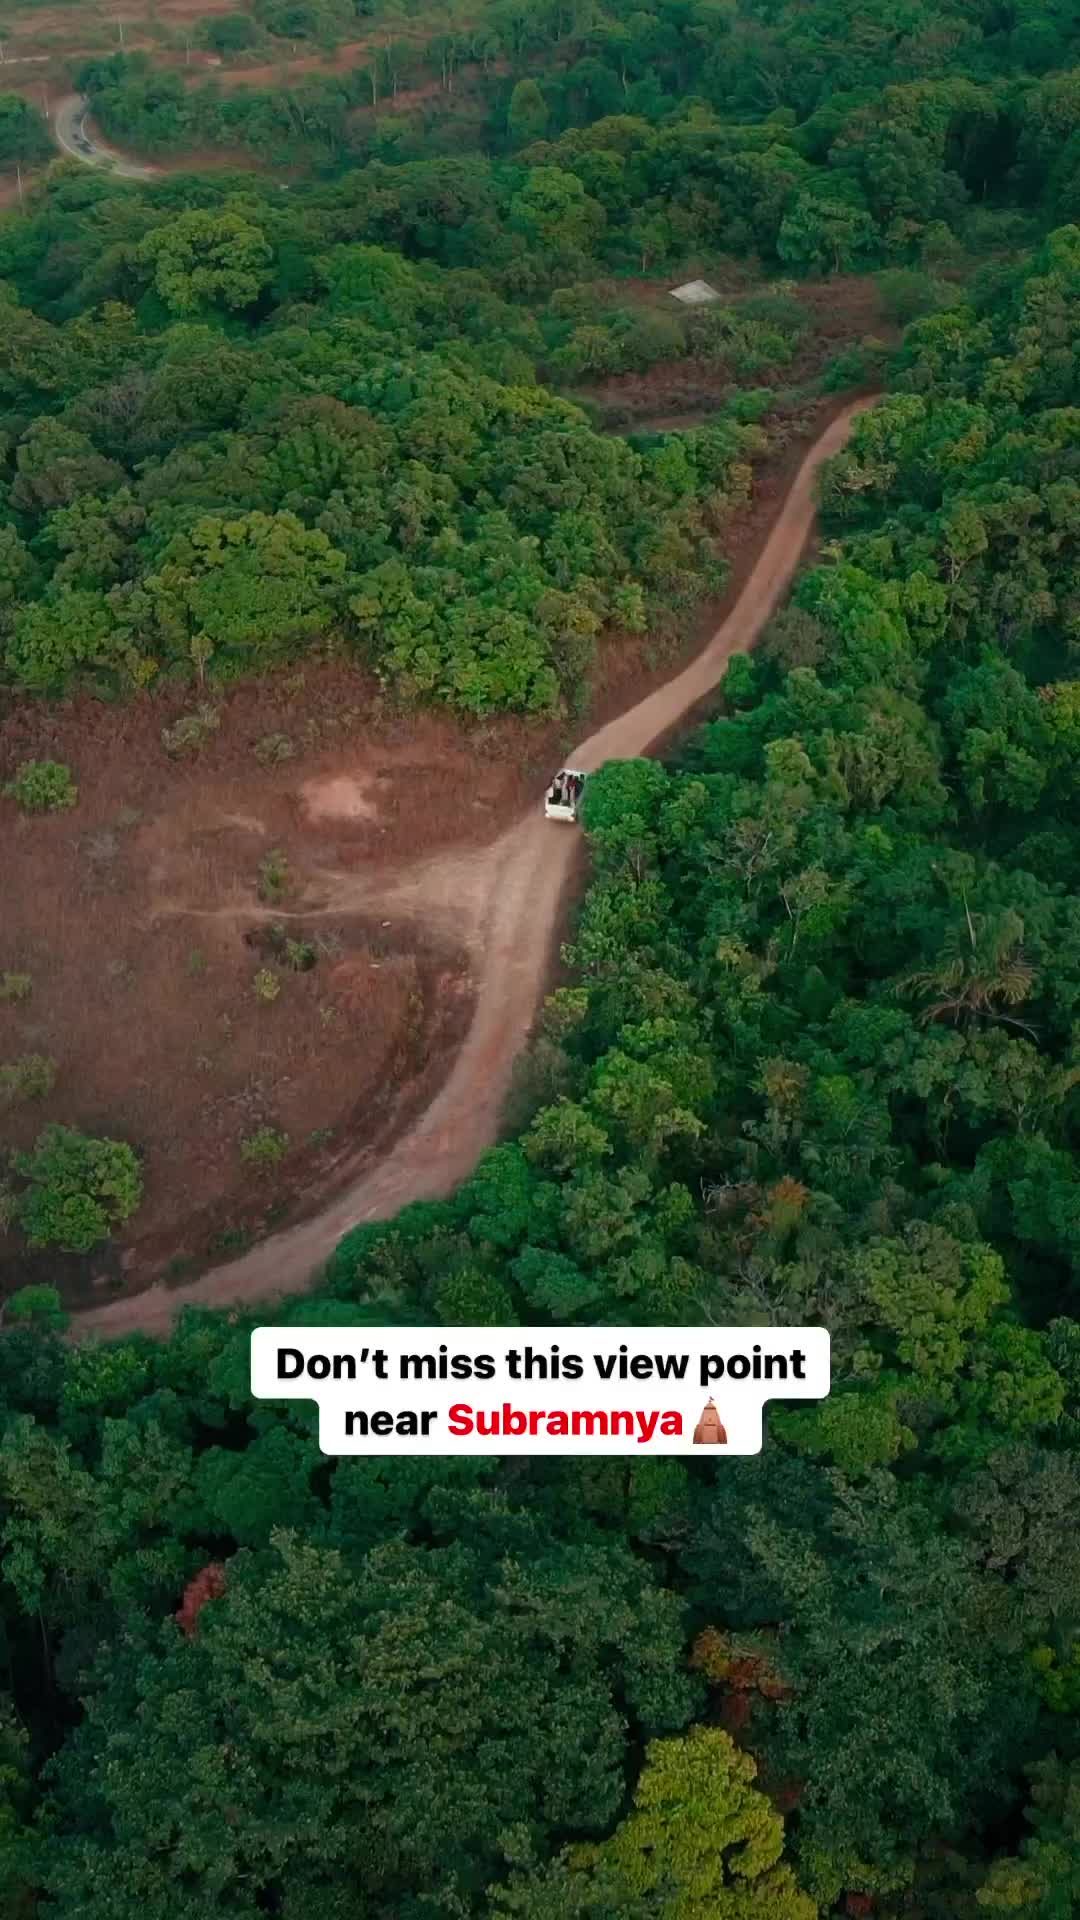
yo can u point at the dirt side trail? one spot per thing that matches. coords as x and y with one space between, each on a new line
505 902
72 134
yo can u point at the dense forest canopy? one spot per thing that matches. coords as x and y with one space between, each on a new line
517 70
818 1056
237 432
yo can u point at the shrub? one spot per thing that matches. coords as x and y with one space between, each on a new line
15 986
289 19
231 1241
855 366
273 877
273 748
192 731
300 955
266 986
30 1077
776 306
264 1148
229 32
43 786
78 1189
907 294
37 1306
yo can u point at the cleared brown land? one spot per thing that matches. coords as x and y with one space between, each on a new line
505 900
138 915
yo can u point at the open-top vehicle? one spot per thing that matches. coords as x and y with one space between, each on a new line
563 797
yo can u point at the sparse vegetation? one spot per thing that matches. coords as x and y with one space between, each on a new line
273 881
300 956
274 748
192 731
266 1147
31 1077
266 986
43 786
229 1242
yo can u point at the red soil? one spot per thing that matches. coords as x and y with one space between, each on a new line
501 899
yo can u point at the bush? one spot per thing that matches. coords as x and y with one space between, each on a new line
300 956
907 294
43 786
777 306
273 877
856 366
78 1189
645 338
23 133
273 748
266 986
36 1307
15 986
29 1078
191 732
290 19
264 1148
229 32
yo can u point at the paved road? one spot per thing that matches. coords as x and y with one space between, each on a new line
72 136
505 903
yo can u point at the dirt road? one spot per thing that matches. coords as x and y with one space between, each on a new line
505 903
69 125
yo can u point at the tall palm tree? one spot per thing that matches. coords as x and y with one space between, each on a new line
980 972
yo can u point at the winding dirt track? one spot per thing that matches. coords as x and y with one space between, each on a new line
74 139
505 903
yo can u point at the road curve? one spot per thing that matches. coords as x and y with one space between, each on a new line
73 138
515 895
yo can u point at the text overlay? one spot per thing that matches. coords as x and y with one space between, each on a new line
572 1390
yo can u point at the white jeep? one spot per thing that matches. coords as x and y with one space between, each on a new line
563 797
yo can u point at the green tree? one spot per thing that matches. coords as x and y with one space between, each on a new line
51 642
555 213
460 1696
18 1841
982 971
38 1306
229 32
1043 1881
77 1189
823 236
701 1839
249 590
201 259
43 786
527 114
